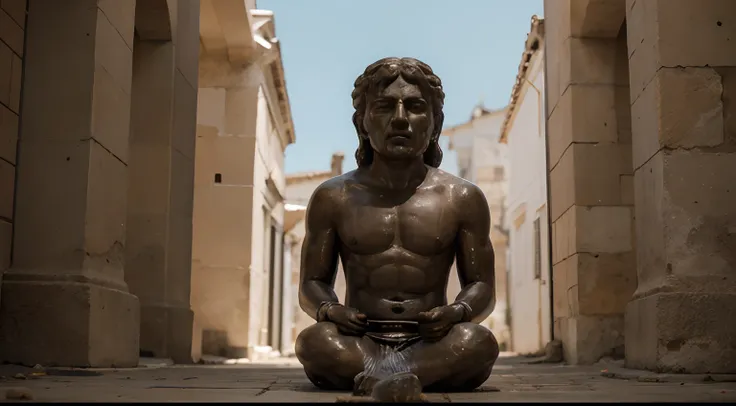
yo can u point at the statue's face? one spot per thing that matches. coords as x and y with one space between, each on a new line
399 121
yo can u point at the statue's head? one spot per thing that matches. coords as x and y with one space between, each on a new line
398 111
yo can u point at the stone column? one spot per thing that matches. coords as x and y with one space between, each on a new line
683 87
158 254
223 208
590 175
64 300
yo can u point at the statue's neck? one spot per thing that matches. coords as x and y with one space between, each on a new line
399 175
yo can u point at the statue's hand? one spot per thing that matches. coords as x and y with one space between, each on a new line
436 323
348 320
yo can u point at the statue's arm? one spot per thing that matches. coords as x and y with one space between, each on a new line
475 257
319 253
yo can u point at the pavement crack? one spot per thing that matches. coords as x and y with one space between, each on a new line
267 388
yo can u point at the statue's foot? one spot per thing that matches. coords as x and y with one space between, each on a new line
364 384
402 387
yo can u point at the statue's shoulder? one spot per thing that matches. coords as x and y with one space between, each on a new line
464 190
332 190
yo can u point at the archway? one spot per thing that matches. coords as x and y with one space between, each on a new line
160 183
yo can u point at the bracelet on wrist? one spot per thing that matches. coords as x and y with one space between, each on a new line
467 311
322 310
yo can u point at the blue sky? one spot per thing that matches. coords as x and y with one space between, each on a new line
474 46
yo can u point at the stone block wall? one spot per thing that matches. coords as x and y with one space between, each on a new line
70 297
589 130
642 127
683 99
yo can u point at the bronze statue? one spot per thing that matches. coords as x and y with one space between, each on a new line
397 223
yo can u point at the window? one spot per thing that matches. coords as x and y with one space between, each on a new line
218 178
498 173
537 237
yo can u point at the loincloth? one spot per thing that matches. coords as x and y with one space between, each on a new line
398 335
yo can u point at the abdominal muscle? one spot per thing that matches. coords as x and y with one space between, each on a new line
395 292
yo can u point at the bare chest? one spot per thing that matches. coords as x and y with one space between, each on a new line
425 224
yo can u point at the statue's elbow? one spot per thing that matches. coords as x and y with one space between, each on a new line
491 304
303 301
306 301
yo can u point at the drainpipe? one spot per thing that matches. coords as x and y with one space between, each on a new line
18 144
549 198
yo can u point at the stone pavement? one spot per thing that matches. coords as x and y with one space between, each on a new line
512 381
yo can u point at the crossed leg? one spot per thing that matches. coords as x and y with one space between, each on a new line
460 361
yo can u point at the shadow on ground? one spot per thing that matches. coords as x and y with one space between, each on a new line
512 380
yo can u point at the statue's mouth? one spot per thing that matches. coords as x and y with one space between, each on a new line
399 134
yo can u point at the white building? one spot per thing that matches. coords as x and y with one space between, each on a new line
244 125
524 132
483 160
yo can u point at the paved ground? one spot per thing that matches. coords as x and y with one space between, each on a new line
512 381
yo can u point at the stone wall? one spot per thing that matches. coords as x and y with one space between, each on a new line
590 168
641 121
683 101
104 180
12 26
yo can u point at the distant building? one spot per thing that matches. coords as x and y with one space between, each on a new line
523 131
483 160
243 127
299 188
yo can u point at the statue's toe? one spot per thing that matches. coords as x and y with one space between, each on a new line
402 387
364 384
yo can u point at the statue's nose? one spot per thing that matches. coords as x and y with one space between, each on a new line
399 121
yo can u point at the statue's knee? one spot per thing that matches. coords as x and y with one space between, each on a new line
331 360
479 341
321 345
314 340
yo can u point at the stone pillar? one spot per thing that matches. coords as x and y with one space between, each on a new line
223 208
590 175
64 300
161 182
683 94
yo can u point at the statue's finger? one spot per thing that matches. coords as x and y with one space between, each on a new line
423 316
355 318
433 325
358 326
350 331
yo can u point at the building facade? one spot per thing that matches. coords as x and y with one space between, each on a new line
299 189
244 125
523 130
99 194
483 160
97 131
640 114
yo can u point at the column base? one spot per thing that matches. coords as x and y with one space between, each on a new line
587 339
73 322
166 332
682 333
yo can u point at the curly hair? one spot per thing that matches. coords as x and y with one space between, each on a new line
382 73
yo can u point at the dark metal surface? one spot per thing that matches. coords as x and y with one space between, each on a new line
397 223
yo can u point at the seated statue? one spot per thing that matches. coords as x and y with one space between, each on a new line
397 223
